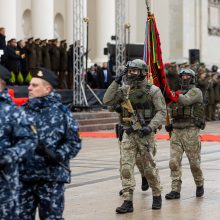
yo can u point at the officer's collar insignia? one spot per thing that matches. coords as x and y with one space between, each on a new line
40 73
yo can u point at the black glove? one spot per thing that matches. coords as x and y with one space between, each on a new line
118 109
53 159
40 150
118 78
2 166
50 157
3 163
169 127
145 131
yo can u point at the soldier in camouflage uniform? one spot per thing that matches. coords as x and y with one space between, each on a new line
43 174
17 140
188 118
149 106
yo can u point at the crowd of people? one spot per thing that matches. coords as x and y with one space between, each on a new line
21 57
99 77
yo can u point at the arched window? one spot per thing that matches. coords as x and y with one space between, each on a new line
26 25
59 27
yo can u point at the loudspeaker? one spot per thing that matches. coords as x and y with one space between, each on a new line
194 56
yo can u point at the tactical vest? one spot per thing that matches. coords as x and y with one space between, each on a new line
142 104
189 115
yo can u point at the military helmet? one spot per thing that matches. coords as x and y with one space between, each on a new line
190 73
137 64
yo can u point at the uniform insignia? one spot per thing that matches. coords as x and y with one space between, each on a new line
33 128
40 73
193 93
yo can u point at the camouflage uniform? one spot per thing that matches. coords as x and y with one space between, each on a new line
185 136
42 181
139 161
132 144
17 140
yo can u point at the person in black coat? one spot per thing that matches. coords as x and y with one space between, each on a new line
13 57
104 77
3 46
23 57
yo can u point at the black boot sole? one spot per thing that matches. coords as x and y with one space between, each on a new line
124 212
156 207
199 195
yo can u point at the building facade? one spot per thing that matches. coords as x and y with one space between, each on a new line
182 24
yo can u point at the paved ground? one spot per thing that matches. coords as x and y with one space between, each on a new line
93 193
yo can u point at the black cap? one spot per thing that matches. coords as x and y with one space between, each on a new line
30 38
63 41
4 74
46 75
38 39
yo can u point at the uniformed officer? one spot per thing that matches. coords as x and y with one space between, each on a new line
43 175
188 118
17 140
139 120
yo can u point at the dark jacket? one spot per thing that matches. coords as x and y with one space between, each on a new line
13 60
46 57
17 141
55 58
32 56
58 132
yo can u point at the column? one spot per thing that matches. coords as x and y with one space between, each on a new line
104 22
8 17
69 21
42 18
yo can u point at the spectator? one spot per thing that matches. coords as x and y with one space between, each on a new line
21 47
104 77
13 57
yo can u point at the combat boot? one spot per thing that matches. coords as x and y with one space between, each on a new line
199 191
157 202
144 185
173 195
121 192
127 206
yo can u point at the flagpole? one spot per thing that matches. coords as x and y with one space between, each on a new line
148 7
150 77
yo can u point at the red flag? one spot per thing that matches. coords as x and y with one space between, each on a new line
153 58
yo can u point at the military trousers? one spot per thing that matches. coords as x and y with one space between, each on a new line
131 145
139 162
185 140
48 197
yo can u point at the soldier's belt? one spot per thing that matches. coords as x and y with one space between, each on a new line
184 120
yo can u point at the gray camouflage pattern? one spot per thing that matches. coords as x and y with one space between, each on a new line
17 141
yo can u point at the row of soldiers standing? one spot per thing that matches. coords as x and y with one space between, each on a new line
208 80
22 57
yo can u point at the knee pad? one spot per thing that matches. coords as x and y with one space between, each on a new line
174 165
126 172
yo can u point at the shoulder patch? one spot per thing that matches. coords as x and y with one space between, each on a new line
193 93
